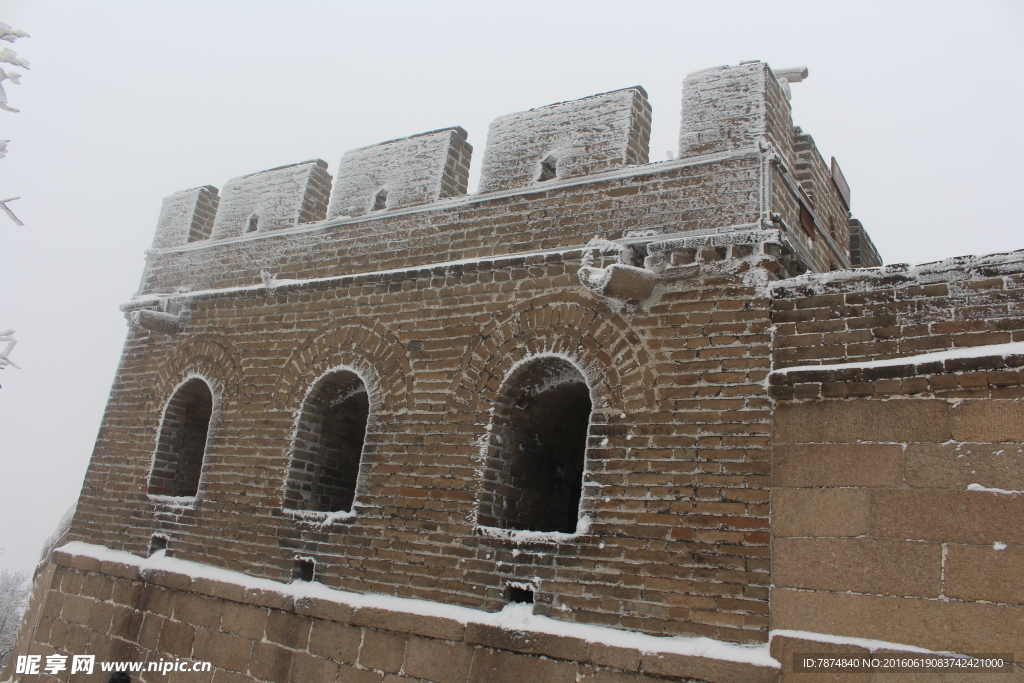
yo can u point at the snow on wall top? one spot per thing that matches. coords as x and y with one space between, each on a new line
567 140
186 216
900 275
404 172
729 107
273 199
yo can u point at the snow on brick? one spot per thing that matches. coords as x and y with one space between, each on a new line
399 173
731 107
567 140
274 199
186 216
514 617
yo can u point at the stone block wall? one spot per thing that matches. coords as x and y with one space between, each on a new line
897 484
731 107
863 253
683 197
128 611
877 532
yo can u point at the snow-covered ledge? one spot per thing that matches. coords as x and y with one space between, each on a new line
988 351
201 578
527 536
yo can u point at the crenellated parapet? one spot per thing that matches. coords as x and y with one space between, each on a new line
741 164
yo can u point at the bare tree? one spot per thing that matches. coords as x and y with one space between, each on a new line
14 594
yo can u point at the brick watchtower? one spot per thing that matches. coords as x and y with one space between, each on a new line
354 420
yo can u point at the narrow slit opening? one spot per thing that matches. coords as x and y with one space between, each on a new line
548 168
304 569
156 544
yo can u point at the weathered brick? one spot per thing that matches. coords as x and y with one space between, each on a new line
494 666
837 465
382 650
933 624
861 565
288 629
176 638
947 516
223 650
437 660
244 620
270 662
820 512
988 572
958 465
898 421
989 421
527 642
339 642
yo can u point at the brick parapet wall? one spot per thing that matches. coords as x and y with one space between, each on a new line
815 176
993 376
670 197
124 611
893 311
676 486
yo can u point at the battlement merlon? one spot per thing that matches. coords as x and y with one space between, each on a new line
186 216
274 199
732 107
399 173
567 140
600 142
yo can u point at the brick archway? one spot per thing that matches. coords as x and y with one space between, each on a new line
359 343
211 357
609 354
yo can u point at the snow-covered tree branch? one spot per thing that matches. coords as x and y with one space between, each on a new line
9 56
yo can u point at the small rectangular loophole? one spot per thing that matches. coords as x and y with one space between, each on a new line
156 544
304 569
520 595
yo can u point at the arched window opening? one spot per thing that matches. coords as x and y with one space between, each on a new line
253 224
535 479
182 442
329 445
380 200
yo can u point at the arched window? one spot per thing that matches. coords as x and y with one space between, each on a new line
534 479
329 445
182 442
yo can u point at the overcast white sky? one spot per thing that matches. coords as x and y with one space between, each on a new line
126 102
